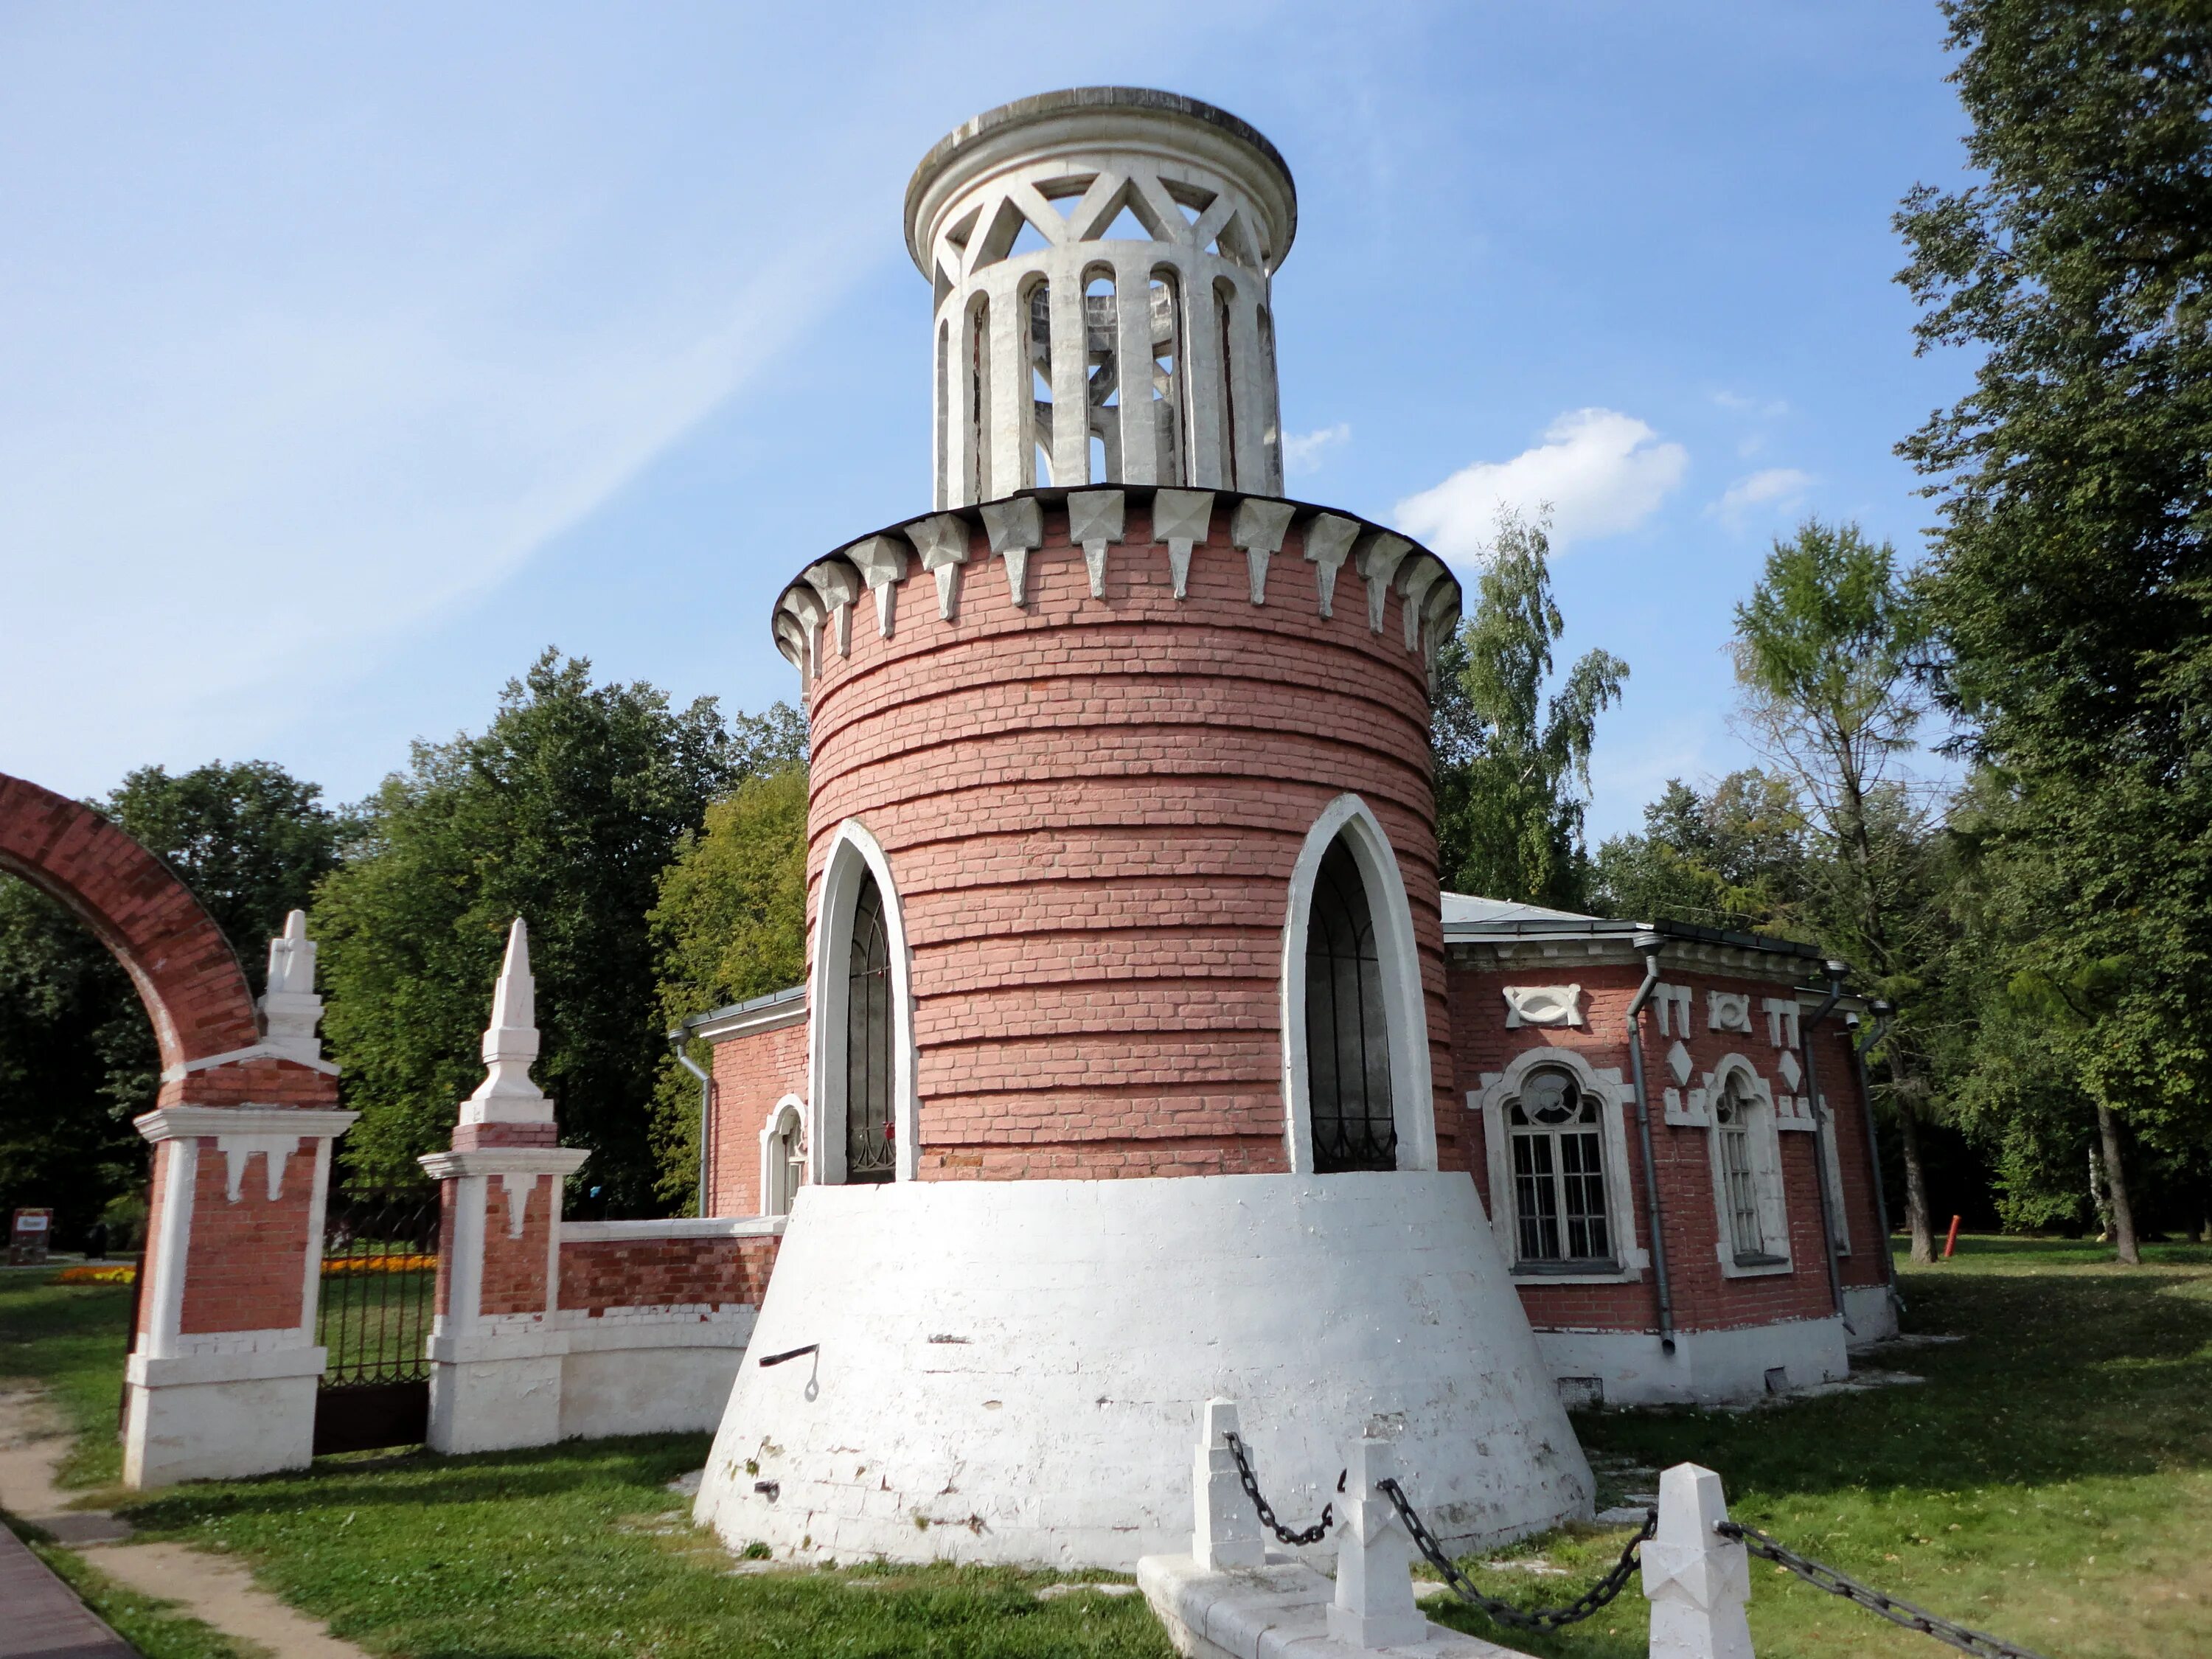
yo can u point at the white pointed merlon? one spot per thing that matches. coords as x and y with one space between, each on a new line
291 1010
510 1043
1095 519
1182 519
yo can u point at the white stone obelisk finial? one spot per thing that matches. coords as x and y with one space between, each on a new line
1226 1533
1374 1605
1698 1582
510 1042
290 1010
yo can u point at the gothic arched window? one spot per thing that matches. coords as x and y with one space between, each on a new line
870 1151
1347 1032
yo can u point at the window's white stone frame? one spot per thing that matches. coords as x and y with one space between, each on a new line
1765 1146
853 854
775 1182
1405 1007
1603 1083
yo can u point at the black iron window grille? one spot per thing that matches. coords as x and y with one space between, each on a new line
870 1131
1348 1031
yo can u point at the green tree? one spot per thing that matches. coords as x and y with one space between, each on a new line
77 1058
1512 762
1826 649
731 925
563 811
2069 580
1736 858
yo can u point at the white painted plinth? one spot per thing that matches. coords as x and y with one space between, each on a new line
482 1404
1874 1313
1015 1371
1279 1611
219 1416
1706 1368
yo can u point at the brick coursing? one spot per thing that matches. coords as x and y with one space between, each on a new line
751 1073
514 1268
599 1275
247 1260
1092 807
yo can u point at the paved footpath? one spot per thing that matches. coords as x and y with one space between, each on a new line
44 1618
212 1588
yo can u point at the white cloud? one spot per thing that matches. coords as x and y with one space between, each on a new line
1774 490
1302 451
1601 472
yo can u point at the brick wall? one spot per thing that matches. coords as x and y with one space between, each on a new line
247 1259
514 1268
601 1274
1092 808
1704 1297
751 1073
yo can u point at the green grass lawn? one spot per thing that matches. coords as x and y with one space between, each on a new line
2051 1481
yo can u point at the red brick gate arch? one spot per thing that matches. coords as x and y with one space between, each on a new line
185 971
221 1376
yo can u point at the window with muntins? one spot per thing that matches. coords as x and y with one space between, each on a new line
1347 1033
870 1151
1559 1173
1738 1174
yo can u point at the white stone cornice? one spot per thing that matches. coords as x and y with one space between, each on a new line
504 1160
178 1122
184 1069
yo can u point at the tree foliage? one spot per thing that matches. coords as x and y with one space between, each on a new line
2069 580
1512 748
1735 857
563 811
731 925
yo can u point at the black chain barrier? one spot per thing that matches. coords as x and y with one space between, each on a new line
1590 1601
1312 1534
1960 1637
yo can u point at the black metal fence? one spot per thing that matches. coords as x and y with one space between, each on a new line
380 1279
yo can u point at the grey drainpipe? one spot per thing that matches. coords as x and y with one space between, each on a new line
1835 972
677 1039
1648 943
1882 1013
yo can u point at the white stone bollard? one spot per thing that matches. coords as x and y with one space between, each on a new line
1374 1605
1227 1533
1698 1582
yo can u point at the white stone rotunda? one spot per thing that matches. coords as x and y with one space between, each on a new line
1014 1368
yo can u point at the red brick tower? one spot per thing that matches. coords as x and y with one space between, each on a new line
1128 1033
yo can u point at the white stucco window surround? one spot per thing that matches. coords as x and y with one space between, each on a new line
1753 1139
782 1155
853 855
1412 1089
1499 1089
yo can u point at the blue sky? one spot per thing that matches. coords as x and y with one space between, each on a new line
348 356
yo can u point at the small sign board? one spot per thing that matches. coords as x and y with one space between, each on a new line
28 1238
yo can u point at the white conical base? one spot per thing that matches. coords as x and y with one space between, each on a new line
1015 1371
